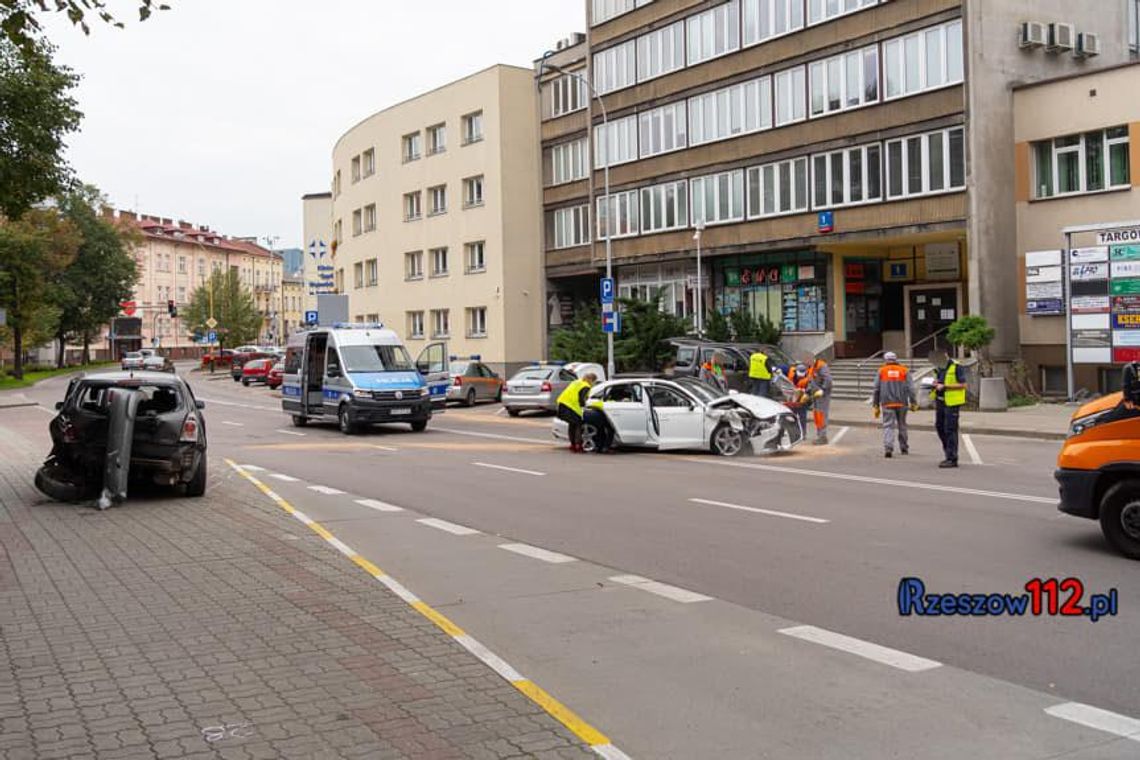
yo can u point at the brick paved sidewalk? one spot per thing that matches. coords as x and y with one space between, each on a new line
221 628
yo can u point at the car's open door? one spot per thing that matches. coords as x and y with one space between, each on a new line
433 365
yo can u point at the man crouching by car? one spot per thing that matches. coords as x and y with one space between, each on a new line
570 403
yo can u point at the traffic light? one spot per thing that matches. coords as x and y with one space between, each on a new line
171 309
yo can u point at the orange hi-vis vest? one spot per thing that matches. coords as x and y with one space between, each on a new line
893 380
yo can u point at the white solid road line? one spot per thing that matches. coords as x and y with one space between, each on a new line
490 466
379 506
1094 717
489 658
326 490
661 589
383 448
233 424
971 449
290 432
881 481
341 547
282 477
496 436
839 436
771 512
537 553
893 657
450 527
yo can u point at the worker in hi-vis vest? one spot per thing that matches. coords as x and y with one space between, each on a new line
760 373
949 397
891 398
821 412
570 403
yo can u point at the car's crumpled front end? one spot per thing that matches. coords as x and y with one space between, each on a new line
768 425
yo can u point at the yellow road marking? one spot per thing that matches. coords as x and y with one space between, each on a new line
367 566
448 627
561 712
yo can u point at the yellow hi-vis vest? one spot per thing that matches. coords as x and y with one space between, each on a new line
569 397
950 397
758 367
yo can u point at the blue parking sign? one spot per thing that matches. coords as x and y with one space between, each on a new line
211 337
312 317
607 290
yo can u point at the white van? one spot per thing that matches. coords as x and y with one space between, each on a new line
361 374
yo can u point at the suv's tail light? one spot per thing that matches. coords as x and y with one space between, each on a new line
189 430
458 380
546 387
68 432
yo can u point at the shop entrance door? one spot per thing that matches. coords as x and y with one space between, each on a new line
930 311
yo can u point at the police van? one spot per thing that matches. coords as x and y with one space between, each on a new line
361 374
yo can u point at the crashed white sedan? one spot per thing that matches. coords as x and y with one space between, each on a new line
685 413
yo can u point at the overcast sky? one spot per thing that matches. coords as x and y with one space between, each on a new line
224 112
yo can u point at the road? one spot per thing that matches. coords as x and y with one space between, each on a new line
693 606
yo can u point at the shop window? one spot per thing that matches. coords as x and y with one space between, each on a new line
1054 381
788 289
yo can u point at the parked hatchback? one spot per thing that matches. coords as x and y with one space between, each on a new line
538 386
256 371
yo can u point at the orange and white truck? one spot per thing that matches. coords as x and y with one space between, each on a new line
1098 468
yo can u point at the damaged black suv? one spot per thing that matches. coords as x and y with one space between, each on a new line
121 426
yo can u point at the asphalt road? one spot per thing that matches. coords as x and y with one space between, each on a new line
761 618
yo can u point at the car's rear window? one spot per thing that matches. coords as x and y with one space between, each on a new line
534 374
459 368
685 356
155 399
133 355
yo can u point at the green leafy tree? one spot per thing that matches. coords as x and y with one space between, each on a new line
34 250
102 276
643 345
233 308
37 111
717 327
21 20
973 333
747 328
583 340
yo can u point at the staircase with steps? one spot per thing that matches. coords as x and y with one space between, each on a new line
845 374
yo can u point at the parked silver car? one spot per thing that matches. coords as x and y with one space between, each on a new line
538 386
473 381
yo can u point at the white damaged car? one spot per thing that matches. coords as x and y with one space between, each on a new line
685 413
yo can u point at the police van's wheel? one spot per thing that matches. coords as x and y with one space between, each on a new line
344 420
589 437
419 426
470 400
727 442
1120 518
299 421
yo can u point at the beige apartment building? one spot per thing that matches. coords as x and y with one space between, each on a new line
435 218
847 162
293 303
1077 149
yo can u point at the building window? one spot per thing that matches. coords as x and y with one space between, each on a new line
355 169
413 207
778 188
338 231
825 10
615 68
182 294
357 222
661 51
714 32
182 265
929 163
847 177
358 275
604 10
336 184
765 19
438 197
475 255
572 226
437 139
438 262
665 207
568 93
617 140
568 162
472 127
791 96
619 216
845 81
201 268
370 217
415 324
926 60
368 158
735 110
371 273
718 198
411 147
473 191
1083 163
662 130
1134 25
414 265
440 323
477 322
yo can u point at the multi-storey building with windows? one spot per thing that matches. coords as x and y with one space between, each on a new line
435 218
844 165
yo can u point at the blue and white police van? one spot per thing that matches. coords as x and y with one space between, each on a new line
361 374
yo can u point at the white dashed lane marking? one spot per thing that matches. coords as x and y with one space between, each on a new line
252 468
971 449
282 477
379 506
757 510
290 432
504 468
660 589
1094 717
839 436
327 490
884 655
450 527
537 553
233 424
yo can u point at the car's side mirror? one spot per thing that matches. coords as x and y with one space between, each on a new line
59 406
199 404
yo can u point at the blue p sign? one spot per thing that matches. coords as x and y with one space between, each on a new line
311 317
211 337
607 290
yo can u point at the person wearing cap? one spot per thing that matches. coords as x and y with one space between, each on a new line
949 397
891 398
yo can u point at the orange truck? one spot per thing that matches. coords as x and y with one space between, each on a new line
1098 468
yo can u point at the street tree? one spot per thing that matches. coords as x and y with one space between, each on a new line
21 21
34 250
583 340
37 111
646 330
231 305
102 276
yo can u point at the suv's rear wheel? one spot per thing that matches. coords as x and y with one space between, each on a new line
726 441
197 484
1120 518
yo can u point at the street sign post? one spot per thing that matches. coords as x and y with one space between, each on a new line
312 317
607 287
211 337
611 322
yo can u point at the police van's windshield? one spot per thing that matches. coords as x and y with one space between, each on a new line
376 359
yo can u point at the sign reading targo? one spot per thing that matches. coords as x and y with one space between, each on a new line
1118 237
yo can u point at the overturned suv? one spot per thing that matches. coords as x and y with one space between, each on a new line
125 426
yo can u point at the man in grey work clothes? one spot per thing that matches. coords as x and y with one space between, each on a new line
891 398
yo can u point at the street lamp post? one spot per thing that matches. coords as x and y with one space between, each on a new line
606 168
700 227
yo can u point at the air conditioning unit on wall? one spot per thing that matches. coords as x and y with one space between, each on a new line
1061 37
1088 45
1032 34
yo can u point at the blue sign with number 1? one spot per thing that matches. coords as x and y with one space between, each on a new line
607 290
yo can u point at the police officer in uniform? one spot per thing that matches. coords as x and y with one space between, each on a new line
949 398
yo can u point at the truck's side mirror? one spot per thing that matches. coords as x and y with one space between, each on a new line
1130 383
